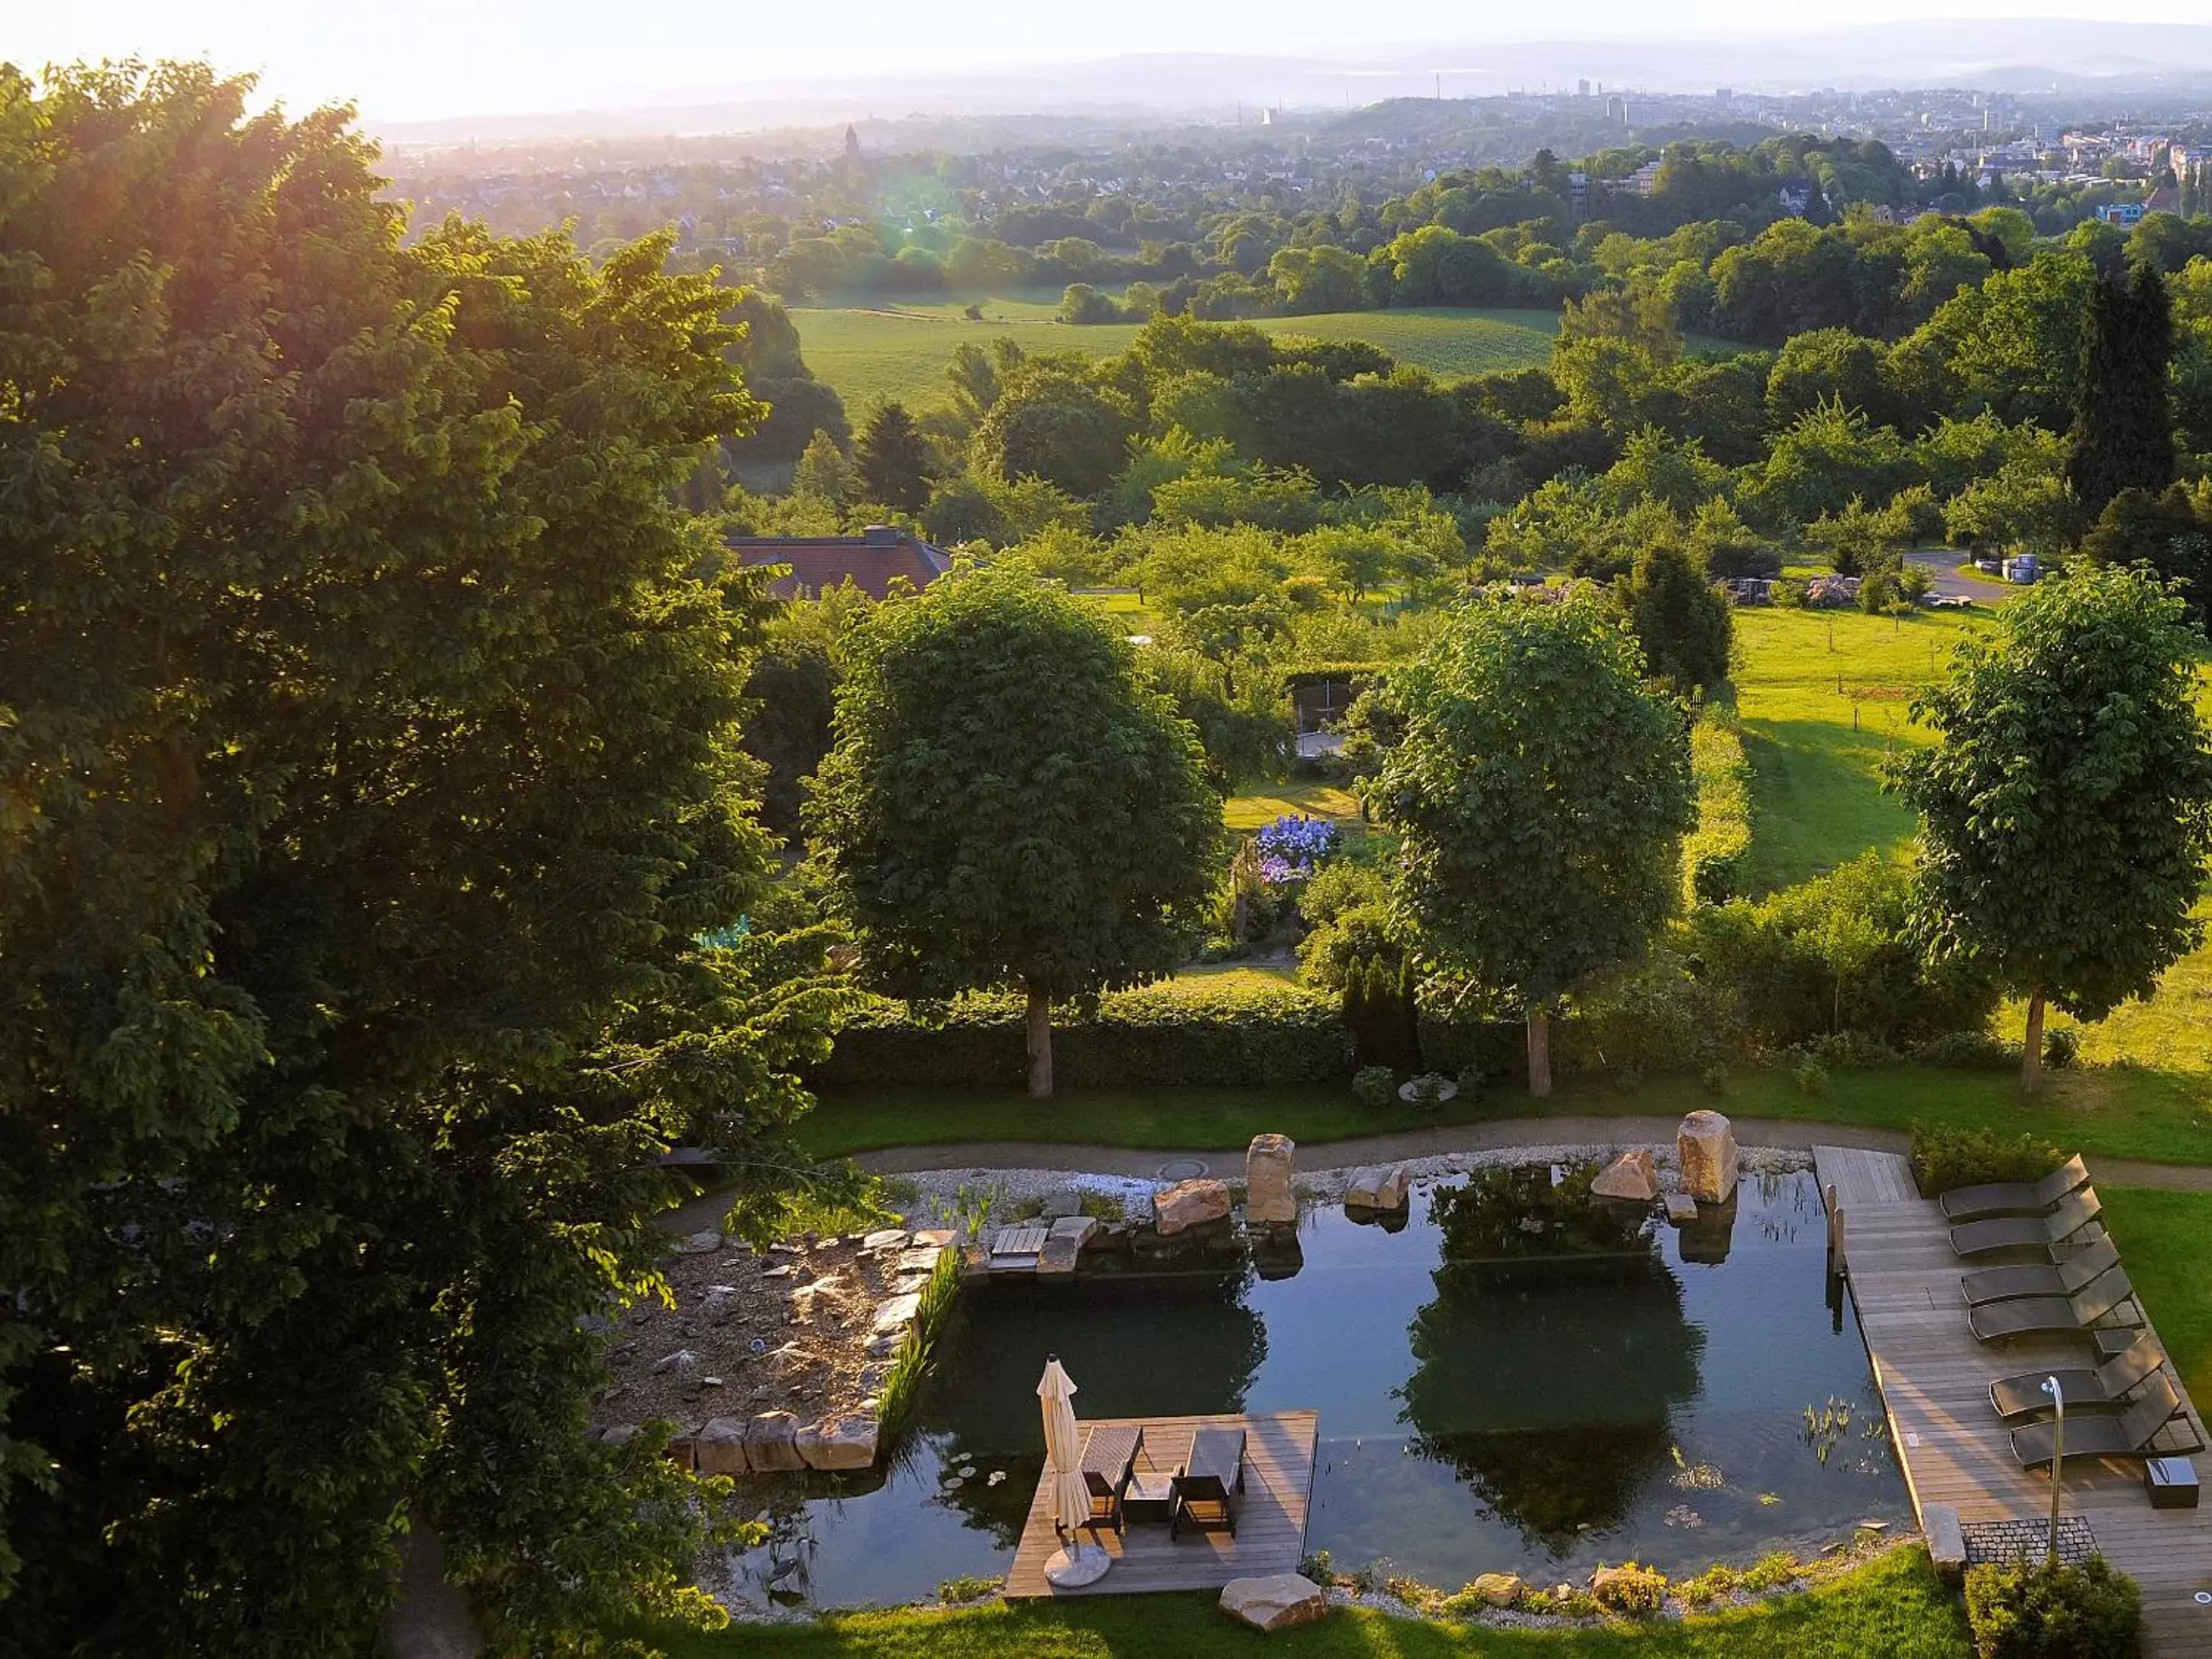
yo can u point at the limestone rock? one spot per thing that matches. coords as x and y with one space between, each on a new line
719 1446
1058 1256
683 1361
885 1344
772 1443
921 1260
975 1263
1377 1190
1065 1202
703 1243
890 1238
1631 1175
1500 1589
1707 1146
1276 1602
1076 1227
895 1315
1391 1193
1268 1164
1189 1203
910 1284
936 1237
1681 1209
618 1434
846 1441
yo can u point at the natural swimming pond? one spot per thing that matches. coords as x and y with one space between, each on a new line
1521 1378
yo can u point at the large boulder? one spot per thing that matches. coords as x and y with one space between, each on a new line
1269 1164
1276 1602
1377 1190
718 1446
1631 1175
1500 1589
846 1441
1706 1144
772 1443
1189 1203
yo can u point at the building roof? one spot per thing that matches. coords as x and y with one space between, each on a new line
868 561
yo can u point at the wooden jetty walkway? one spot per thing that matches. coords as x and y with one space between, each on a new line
1271 1517
1934 1379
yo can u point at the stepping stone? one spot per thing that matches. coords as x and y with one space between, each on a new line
892 1238
1681 1209
895 1314
920 1261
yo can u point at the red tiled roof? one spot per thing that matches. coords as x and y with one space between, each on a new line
869 561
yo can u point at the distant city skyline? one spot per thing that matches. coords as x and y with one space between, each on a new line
408 60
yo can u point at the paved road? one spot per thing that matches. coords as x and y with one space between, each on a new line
1943 565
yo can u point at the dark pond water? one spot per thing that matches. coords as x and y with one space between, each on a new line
1522 1378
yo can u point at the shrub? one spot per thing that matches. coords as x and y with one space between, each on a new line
1772 1572
1944 1157
966 1588
1842 1049
1351 937
2062 1046
1967 1051
1340 887
1809 1075
1375 1086
2021 1610
1317 1567
1637 1591
1651 1019
1196 1030
1428 1091
1470 1084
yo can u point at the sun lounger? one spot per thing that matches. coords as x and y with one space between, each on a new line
1214 1474
2074 1212
2129 1435
2108 1385
2015 1197
2031 1315
1109 1458
2041 1278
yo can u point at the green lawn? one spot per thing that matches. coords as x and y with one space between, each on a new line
1314 800
1895 1608
901 351
1822 695
2166 1238
2121 1112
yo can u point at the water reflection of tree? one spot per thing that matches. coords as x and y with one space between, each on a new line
1168 1343
1554 1353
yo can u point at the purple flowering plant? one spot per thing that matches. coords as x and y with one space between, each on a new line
1293 846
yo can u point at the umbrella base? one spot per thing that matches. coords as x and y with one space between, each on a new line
1075 1565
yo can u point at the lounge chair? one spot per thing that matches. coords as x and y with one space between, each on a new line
1214 1474
2074 1212
1109 1458
2015 1197
2039 1316
2040 1278
2108 1385
2127 1435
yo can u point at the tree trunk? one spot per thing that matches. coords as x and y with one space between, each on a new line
2031 1051
1039 1044
1540 1054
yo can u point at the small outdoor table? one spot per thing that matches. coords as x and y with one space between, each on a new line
2172 1482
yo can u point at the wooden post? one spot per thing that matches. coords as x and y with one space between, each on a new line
1836 1261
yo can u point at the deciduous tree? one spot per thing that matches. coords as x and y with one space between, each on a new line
1010 802
2066 810
1542 793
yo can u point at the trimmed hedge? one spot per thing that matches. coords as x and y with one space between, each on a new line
1185 1031
1198 1030
1713 854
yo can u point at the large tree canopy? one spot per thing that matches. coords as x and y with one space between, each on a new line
1010 801
2066 813
1542 794
367 771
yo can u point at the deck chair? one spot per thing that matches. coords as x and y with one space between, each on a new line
2015 1197
1110 1460
2040 1316
2074 1212
2129 1435
2040 1278
2022 1396
1209 1481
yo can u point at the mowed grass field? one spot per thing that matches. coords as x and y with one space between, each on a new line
869 353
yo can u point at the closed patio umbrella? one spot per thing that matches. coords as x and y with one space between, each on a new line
1063 1447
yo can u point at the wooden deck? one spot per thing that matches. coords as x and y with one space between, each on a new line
1271 1518
1934 1379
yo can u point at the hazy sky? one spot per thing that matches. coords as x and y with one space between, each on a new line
410 59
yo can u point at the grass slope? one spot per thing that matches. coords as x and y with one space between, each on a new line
1895 1608
901 351
2166 1238
1804 678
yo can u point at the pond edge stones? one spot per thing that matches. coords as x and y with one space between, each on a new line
1380 1188
1631 1175
1269 1164
1706 1144
1189 1203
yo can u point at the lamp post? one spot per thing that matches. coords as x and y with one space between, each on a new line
2057 1458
